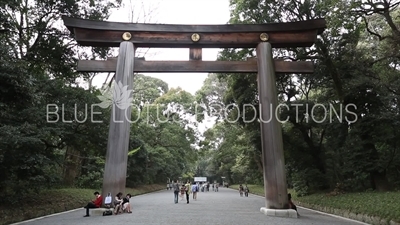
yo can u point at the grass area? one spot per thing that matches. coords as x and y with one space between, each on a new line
370 207
58 200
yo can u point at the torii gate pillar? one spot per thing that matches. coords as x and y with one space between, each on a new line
114 180
275 187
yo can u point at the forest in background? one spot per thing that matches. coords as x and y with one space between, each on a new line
356 62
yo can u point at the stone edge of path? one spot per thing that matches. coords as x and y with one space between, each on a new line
72 210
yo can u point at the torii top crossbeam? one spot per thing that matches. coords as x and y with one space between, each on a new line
111 34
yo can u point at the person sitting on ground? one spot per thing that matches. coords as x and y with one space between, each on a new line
291 204
96 203
126 205
118 204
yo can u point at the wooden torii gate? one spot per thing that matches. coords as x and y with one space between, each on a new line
263 37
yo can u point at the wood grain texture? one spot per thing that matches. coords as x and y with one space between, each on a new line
314 24
142 66
109 34
271 132
195 54
114 180
112 38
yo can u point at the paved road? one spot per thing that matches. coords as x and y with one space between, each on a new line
225 207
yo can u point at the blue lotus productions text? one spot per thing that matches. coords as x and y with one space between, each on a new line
248 113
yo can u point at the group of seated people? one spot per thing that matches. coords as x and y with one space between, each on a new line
121 204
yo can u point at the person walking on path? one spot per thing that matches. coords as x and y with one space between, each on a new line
246 191
182 190
94 204
195 189
176 191
187 190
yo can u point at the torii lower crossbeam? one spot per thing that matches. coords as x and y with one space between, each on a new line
196 66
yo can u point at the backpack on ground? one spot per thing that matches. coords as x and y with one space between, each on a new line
107 213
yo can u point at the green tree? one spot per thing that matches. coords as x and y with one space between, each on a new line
321 155
38 68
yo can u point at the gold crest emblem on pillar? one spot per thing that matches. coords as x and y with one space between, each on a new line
195 37
264 37
126 36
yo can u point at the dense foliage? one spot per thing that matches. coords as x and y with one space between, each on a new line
357 67
47 135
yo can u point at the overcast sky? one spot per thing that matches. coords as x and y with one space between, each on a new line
174 12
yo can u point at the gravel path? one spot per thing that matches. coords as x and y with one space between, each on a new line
225 207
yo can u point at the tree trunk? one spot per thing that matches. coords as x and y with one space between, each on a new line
378 178
72 166
379 181
258 160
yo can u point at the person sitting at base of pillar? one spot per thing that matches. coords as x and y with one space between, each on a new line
291 204
94 204
126 205
118 204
